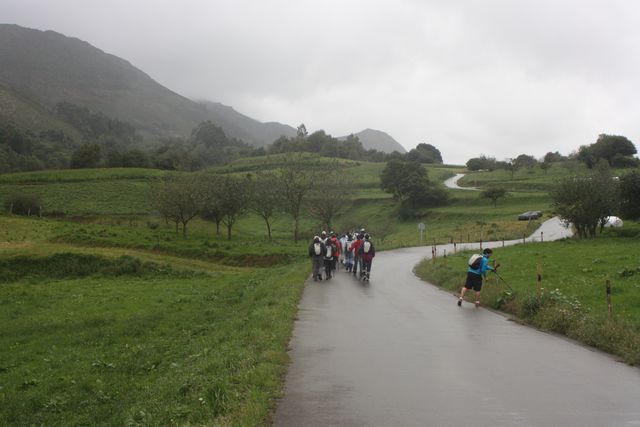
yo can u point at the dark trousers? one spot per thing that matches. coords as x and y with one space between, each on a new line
328 267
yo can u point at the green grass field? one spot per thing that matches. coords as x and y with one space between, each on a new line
115 336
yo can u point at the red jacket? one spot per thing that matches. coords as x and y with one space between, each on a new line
355 246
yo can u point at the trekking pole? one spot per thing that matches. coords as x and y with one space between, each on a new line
504 281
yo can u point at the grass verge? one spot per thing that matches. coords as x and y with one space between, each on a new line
570 299
86 340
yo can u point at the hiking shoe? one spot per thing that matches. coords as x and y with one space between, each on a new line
459 302
477 303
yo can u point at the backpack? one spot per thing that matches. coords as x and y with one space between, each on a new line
366 246
329 251
475 261
317 248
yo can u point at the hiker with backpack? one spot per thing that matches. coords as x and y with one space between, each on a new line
355 248
329 252
367 252
336 252
317 251
348 253
478 267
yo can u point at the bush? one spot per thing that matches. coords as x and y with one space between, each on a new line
23 205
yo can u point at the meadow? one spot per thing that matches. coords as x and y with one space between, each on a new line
109 317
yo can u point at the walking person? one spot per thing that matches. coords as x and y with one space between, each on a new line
367 252
355 247
329 252
336 252
478 267
348 253
316 252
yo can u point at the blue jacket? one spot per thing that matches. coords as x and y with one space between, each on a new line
484 267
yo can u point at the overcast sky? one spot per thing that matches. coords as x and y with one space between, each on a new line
494 77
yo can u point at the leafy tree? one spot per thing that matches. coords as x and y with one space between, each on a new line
425 153
409 184
296 179
585 201
608 147
211 206
329 199
178 199
87 156
630 195
525 161
481 163
233 196
553 157
494 194
21 204
266 197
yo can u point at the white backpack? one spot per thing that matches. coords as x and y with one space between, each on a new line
317 248
366 246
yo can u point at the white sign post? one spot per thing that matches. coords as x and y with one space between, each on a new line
421 227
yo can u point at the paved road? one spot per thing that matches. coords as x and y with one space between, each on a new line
453 183
399 352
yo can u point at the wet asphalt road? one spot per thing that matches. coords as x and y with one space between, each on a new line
399 352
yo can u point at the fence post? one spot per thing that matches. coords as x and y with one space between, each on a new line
454 248
542 236
609 307
539 275
480 244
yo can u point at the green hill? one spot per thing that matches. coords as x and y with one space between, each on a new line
49 68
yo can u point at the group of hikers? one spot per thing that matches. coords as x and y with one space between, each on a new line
353 250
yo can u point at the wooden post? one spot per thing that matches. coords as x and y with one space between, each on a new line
480 244
542 236
539 275
524 238
503 242
455 247
609 307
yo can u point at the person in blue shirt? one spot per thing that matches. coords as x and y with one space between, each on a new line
475 276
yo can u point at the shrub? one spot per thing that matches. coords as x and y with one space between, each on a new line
23 205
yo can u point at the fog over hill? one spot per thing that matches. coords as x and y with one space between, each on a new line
48 68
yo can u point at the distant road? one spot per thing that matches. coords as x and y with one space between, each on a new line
453 183
399 352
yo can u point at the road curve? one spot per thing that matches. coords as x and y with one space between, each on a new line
399 352
453 183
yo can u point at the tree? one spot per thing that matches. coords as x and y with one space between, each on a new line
525 161
608 147
87 156
630 195
409 184
234 196
266 197
177 198
327 200
481 163
296 179
425 153
494 194
585 201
